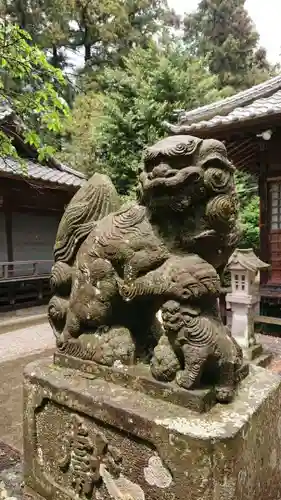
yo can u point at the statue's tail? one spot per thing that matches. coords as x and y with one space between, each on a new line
96 199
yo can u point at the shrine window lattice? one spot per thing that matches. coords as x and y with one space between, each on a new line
275 232
275 206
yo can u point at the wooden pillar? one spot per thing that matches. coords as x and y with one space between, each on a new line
9 235
263 167
7 209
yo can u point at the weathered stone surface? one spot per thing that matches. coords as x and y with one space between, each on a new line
117 267
107 442
257 355
253 352
138 378
263 360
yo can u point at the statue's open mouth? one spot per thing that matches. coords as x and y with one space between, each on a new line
175 189
171 178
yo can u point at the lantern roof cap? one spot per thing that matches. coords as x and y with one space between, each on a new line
246 259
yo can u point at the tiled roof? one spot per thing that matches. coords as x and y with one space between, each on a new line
63 176
257 102
260 108
53 172
224 106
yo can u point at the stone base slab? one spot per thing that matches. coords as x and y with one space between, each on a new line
139 378
92 439
253 352
263 360
29 494
256 354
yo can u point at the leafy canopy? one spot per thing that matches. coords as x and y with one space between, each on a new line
102 30
31 87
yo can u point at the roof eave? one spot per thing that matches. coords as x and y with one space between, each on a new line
225 106
40 182
15 129
235 127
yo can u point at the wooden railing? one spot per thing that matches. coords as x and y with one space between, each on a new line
26 269
24 283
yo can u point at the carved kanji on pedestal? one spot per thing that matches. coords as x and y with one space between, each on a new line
83 456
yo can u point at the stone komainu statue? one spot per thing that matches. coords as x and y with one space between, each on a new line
139 283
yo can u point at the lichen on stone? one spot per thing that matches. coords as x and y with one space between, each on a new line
121 488
156 474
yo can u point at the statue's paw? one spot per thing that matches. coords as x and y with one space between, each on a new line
57 311
115 346
164 363
184 379
61 278
224 393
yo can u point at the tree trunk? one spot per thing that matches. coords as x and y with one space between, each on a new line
21 14
87 55
55 58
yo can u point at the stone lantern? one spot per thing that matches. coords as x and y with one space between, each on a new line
244 301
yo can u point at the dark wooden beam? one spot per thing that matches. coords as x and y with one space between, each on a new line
9 232
23 196
9 235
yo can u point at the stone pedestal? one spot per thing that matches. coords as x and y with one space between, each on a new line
242 320
243 311
90 438
257 355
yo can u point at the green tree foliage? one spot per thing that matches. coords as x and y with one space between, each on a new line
31 87
46 21
109 29
110 129
105 30
247 188
223 33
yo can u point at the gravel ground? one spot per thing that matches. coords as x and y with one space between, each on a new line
10 483
10 473
25 342
17 349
